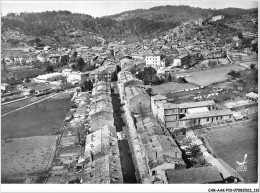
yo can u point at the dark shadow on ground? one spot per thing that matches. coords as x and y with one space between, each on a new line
126 160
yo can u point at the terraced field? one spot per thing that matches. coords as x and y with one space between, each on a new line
232 142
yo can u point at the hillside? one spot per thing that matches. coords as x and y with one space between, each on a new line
165 13
66 28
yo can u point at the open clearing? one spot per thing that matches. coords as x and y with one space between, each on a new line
207 77
171 87
43 118
232 142
26 155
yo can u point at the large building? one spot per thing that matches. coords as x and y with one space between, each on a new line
74 76
154 60
181 60
189 114
49 77
200 118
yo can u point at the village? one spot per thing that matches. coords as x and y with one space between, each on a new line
142 112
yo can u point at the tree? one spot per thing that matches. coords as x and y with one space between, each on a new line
169 77
49 68
73 58
156 80
234 74
118 68
240 35
80 64
88 85
147 75
195 149
182 80
252 66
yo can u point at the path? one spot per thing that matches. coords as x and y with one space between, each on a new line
29 105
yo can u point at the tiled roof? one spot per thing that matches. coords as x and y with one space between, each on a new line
135 91
106 170
101 143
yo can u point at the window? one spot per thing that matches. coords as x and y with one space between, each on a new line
153 173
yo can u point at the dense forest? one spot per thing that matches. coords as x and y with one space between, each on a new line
140 22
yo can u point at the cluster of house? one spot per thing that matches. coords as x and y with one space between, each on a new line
157 157
92 125
176 116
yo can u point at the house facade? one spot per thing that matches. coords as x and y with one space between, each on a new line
154 60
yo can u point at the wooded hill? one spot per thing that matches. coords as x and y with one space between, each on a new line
138 23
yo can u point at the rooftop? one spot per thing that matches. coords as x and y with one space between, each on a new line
135 91
166 159
99 120
208 114
252 95
201 175
222 167
159 97
106 170
101 106
195 104
101 143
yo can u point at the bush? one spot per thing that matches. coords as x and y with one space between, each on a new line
234 74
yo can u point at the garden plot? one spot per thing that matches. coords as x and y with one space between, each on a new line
27 155
232 142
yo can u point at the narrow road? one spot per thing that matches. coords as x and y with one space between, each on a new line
126 160
29 105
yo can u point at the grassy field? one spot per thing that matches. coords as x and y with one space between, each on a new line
207 77
171 87
43 118
232 142
26 155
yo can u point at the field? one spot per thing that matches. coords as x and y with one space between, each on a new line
232 142
171 87
26 155
43 118
207 77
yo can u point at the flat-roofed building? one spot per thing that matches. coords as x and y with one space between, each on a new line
170 113
154 60
49 77
205 117
181 60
